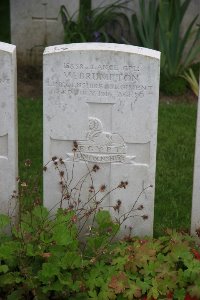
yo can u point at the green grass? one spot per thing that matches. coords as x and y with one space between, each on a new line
175 155
30 141
176 138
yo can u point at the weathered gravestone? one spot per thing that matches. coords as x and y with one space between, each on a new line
105 98
195 223
36 24
8 126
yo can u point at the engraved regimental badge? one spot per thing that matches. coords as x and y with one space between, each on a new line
101 146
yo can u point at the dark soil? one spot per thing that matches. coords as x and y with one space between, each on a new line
30 86
29 82
189 97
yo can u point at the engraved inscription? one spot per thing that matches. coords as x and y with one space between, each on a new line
4 146
104 81
4 80
101 146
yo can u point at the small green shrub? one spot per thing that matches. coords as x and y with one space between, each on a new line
48 255
189 76
95 25
176 58
145 25
158 26
173 86
44 259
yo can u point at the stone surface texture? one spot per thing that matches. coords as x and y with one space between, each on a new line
195 219
105 98
36 24
8 126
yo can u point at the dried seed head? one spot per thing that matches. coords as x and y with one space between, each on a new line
102 188
140 207
74 219
145 217
93 260
46 254
44 168
54 158
61 160
91 189
198 232
95 168
75 144
117 206
123 184
109 229
62 173
119 202
67 196
27 163
37 202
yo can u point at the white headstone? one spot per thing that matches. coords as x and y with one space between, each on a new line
36 24
195 219
104 97
8 126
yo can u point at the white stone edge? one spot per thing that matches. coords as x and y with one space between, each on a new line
195 218
103 47
7 47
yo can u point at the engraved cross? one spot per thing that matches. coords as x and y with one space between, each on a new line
45 19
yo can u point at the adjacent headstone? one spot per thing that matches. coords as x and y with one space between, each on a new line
195 219
8 127
36 24
100 108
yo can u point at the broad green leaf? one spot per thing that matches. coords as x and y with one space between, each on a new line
16 295
10 278
4 221
41 212
49 270
3 268
62 235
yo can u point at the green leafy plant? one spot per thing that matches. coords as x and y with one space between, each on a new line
44 259
94 25
158 26
173 86
45 256
145 25
191 79
175 58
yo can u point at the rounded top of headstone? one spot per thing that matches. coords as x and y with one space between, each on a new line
103 47
7 47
